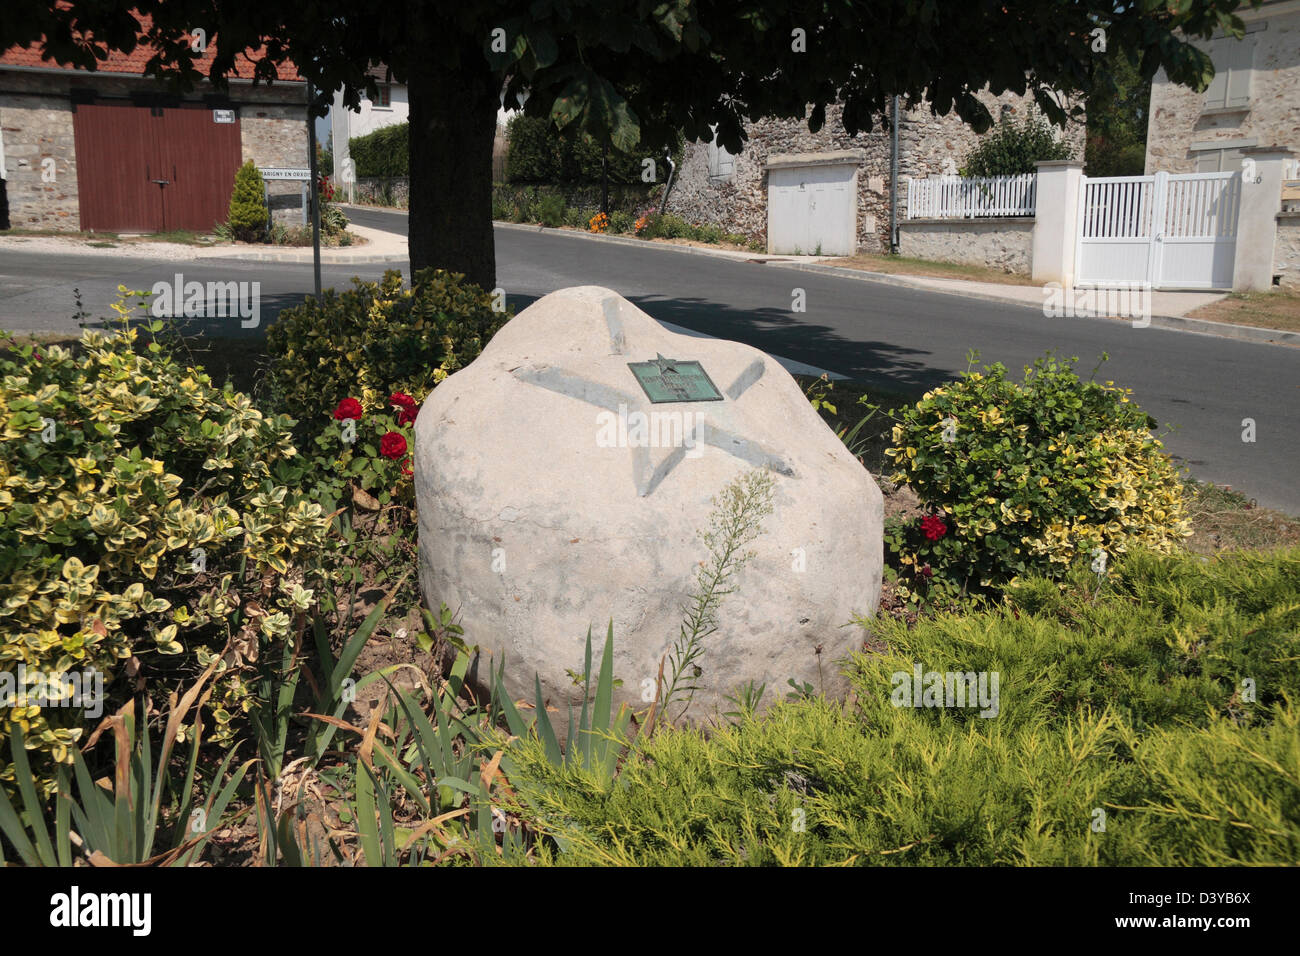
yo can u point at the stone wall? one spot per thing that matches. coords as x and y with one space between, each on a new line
36 123
36 126
1178 117
1004 243
378 191
1286 250
740 203
925 143
275 135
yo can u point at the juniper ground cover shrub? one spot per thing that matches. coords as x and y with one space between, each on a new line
1146 718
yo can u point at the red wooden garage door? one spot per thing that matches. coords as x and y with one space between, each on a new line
153 169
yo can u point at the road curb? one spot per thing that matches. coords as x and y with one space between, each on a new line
643 243
299 258
1174 323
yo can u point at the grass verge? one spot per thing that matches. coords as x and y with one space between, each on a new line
902 265
1265 310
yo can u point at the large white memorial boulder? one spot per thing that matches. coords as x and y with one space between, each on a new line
548 505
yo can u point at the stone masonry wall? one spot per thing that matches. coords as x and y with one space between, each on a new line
276 135
37 126
36 121
925 142
1286 250
1273 118
1006 244
740 205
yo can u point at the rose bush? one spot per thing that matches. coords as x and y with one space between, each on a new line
376 336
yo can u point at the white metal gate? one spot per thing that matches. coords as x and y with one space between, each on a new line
1172 231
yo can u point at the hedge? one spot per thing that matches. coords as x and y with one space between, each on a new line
538 153
383 153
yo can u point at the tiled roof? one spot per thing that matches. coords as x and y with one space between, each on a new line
134 62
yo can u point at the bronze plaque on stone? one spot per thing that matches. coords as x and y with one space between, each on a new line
675 380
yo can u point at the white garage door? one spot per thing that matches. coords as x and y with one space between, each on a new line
812 210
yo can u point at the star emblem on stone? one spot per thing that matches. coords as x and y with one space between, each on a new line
646 475
665 365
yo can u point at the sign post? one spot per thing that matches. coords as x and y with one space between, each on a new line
312 190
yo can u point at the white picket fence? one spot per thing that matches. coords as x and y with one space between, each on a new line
953 197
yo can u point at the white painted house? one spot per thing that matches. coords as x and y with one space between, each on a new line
389 107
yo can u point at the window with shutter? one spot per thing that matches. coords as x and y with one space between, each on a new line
1233 64
1218 160
1239 73
722 165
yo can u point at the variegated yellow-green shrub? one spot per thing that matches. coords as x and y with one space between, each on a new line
138 505
1027 478
374 339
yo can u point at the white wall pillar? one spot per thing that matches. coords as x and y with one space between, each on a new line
340 127
1056 220
1263 169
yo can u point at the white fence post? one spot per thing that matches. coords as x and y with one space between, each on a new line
1261 201
1056 214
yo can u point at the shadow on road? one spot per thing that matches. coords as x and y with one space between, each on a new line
893 367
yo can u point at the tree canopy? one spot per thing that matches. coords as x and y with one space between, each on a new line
632 73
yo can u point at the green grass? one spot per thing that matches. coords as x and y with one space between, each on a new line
184 237
905 265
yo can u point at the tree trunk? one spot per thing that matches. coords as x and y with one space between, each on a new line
453 116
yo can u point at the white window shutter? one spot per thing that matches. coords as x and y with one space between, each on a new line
1239 73
722 165
1216 95
726 162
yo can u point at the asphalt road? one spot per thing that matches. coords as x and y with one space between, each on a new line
1200 388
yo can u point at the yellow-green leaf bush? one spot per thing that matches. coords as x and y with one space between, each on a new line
136 499
1027 478
374 339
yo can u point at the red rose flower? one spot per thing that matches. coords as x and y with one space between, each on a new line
934 527
406 468
348 408
392 445
406 406
926 572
